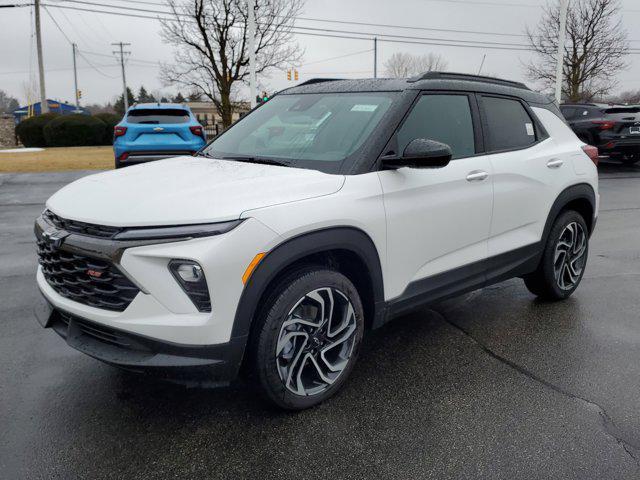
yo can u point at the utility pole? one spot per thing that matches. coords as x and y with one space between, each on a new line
562 33
122 53
75 76
252 51
375 57
44 106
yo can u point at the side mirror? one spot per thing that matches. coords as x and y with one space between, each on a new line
421 153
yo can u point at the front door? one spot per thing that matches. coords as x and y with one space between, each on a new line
438 219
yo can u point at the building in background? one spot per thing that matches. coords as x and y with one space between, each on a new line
60 108
209 118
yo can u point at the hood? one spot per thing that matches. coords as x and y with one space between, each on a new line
186 190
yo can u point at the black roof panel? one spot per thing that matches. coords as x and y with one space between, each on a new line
433 81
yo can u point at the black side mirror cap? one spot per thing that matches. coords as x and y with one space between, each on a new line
421 153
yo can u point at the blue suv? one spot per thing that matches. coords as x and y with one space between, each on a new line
151 131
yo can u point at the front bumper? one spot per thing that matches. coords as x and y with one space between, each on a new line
161 326
217 364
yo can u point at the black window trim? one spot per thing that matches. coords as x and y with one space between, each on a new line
539 130
478 137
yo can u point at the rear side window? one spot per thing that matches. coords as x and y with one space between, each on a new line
444 118
154 116
509 125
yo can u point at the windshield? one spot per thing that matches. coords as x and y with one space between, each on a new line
155 116
317 131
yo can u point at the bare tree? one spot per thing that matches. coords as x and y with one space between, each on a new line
211 43
595 49
400 64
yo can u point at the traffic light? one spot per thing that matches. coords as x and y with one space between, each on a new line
289 74
79 93
260 99
295 75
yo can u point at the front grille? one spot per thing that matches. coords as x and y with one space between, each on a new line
81 228
68 275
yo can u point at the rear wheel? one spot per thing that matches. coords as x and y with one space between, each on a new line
309 338
563 260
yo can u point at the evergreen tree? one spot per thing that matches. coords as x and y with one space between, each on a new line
179 98
144 97
118 106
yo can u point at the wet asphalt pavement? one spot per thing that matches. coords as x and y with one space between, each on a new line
492 385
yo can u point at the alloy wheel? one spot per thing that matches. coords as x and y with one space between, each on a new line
570 255
316 341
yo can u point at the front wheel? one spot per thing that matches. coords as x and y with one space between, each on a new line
563 260
310 335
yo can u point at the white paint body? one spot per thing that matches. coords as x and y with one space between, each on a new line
422 222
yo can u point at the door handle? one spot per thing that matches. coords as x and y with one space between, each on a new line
477 176
555 163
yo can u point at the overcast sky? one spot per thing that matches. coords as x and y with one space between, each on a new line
94 33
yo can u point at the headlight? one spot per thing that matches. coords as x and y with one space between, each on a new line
190 277
189 231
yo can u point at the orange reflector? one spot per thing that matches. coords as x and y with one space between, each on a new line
252 266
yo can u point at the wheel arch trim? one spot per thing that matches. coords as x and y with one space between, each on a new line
581 191
296 248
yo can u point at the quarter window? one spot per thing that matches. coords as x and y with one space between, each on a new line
510 126
444 118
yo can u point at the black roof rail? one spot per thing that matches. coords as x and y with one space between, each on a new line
468 77
311 81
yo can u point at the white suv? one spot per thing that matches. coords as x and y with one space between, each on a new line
325 212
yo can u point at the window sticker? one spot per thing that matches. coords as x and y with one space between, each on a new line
364 108
530 131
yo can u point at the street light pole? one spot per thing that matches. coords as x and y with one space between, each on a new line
375 57
564 6
44 106
252 51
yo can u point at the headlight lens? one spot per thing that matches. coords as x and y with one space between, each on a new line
190 277
189 231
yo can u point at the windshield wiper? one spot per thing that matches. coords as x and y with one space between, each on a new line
260 160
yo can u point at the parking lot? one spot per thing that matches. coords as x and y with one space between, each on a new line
491 385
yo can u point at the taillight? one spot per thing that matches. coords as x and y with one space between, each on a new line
592 153
197 131
119 131
124 156
604 124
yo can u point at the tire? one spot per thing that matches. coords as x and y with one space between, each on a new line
564 259
292 351
118 164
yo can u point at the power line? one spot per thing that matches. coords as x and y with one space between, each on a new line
342 34
70 42
353 35
336 58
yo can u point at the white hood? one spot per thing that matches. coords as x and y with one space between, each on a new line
186 190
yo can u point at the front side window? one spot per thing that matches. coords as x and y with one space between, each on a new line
444 118
317 131
156 116
510 126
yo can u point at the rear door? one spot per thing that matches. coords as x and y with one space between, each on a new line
529 171
438 219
